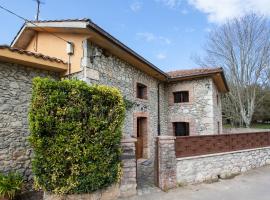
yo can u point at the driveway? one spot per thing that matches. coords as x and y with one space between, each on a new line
253 185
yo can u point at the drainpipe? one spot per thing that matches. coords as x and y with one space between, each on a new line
70 52
158 99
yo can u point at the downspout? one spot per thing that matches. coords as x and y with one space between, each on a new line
158 99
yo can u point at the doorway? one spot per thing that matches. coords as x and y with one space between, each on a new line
141 134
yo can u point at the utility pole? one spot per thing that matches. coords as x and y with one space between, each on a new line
38 8
37 19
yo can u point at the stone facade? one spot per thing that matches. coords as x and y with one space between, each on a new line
104 68
110 70
217 110
209 168
15 90
201 112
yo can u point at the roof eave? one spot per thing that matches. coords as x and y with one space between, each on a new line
18 35
197 76
99 30
8 56
86 25
225 81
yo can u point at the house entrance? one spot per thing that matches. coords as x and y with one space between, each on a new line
141 137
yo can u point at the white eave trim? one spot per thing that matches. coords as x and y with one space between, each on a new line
18 36
58 24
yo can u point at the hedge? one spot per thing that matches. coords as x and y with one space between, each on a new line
75 134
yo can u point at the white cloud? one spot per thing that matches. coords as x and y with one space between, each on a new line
170 3
136 6
150 37
161 56
221 10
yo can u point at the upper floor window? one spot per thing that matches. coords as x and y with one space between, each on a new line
141 91
181 128
181 96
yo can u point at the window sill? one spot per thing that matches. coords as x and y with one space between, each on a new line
182 103
141 100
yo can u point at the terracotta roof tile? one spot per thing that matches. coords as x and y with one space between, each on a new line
30 53
193 72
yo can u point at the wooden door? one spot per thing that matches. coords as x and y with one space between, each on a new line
140 133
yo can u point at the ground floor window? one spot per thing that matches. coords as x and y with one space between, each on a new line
181 128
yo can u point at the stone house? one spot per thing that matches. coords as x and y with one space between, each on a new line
180 103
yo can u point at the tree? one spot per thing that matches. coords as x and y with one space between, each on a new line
262 112
242 48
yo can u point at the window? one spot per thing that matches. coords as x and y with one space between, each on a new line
217 100
181 128
218 126
181 96
141 91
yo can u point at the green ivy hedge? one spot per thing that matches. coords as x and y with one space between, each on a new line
75 133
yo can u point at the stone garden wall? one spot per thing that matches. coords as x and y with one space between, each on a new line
209 168
15 96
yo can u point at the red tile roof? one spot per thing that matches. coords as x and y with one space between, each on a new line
193 72
30 53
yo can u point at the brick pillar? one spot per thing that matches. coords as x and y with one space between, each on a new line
128 185
166 162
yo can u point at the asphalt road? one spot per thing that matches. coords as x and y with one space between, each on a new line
253 185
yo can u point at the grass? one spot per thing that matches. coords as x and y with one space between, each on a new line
257 126
261 126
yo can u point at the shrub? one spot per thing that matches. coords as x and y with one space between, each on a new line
10 185
75 133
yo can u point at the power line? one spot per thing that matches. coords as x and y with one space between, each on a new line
26 20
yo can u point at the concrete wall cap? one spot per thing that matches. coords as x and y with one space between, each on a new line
166 137
129 140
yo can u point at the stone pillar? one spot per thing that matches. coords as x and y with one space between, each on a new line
166 162
128 185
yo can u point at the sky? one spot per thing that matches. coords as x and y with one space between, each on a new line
168 33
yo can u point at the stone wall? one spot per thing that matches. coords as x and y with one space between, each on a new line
166 162
128 184
209 168
199 111
109 193
15 96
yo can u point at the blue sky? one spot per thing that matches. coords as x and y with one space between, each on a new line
168 33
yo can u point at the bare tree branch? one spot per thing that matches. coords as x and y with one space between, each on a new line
242 48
